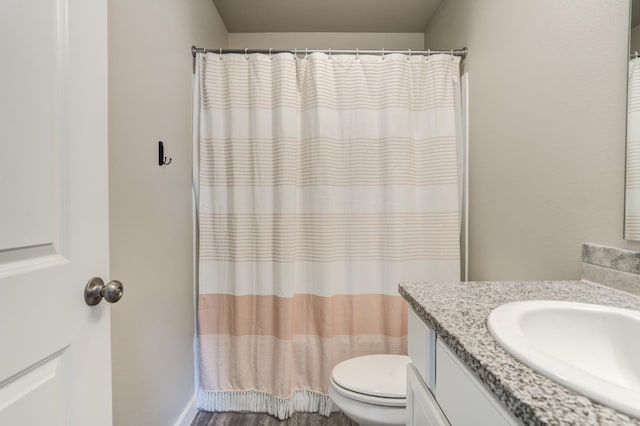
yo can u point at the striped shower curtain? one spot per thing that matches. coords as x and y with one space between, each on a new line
632 196
323 181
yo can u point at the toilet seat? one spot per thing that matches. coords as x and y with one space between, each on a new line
373 379
368 399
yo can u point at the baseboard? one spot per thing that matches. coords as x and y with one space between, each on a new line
188 413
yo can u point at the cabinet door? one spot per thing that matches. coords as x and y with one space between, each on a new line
421 348
463 397
422 409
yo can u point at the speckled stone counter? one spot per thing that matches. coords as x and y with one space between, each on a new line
458 313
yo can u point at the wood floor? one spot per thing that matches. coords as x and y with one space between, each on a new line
204 418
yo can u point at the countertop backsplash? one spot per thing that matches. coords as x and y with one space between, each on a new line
611 267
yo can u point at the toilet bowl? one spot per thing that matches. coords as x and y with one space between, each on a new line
371 389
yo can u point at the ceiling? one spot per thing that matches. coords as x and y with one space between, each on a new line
379 16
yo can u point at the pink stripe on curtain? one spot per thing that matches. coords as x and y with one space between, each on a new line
323 165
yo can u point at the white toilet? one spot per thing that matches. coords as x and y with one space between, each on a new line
372 389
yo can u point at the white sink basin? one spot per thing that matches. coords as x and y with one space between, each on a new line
592 349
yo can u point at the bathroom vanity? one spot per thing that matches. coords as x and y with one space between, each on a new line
458 393
460 376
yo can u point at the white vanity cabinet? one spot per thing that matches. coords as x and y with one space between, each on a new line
441 390
422 408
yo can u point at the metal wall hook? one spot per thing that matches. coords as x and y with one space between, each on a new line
162 160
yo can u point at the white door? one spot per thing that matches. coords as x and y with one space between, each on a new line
54 349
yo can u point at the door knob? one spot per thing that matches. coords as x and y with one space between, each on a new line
96 290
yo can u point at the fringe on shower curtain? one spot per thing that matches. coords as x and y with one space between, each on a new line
261 402
322 183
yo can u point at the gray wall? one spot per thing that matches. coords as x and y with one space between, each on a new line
634 43
326 40
150 207
547 129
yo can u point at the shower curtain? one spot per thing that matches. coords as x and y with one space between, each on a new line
632 196
323 182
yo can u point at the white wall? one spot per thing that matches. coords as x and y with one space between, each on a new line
150 75
547 129
327 40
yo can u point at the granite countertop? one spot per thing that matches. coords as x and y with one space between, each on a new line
458 311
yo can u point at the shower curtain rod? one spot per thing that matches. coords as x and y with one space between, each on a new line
456 52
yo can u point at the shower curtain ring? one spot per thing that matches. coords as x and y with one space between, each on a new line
329 53
428 54
452 54
246 50
220 54
270 55
409 57
382 54
306 52
357 54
